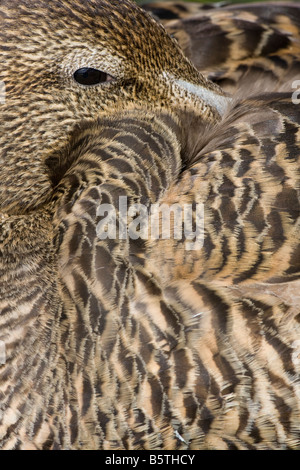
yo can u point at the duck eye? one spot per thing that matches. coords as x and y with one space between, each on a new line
88 76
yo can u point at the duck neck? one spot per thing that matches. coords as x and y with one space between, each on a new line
137 156
126 161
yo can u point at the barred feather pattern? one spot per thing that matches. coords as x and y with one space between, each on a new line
250 42
144 344
136 349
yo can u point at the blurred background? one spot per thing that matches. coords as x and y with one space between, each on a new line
214 1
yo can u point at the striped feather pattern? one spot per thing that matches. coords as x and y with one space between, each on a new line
251 42
140 343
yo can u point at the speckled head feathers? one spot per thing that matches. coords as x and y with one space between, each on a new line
43 43
120 342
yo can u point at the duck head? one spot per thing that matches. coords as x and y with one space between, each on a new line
66 62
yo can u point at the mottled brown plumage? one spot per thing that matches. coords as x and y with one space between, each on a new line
251 43
144 344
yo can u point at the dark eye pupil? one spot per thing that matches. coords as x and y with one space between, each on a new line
87 76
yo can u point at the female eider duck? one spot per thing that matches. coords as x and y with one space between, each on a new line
149 211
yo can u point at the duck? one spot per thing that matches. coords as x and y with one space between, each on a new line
117 332
256 41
